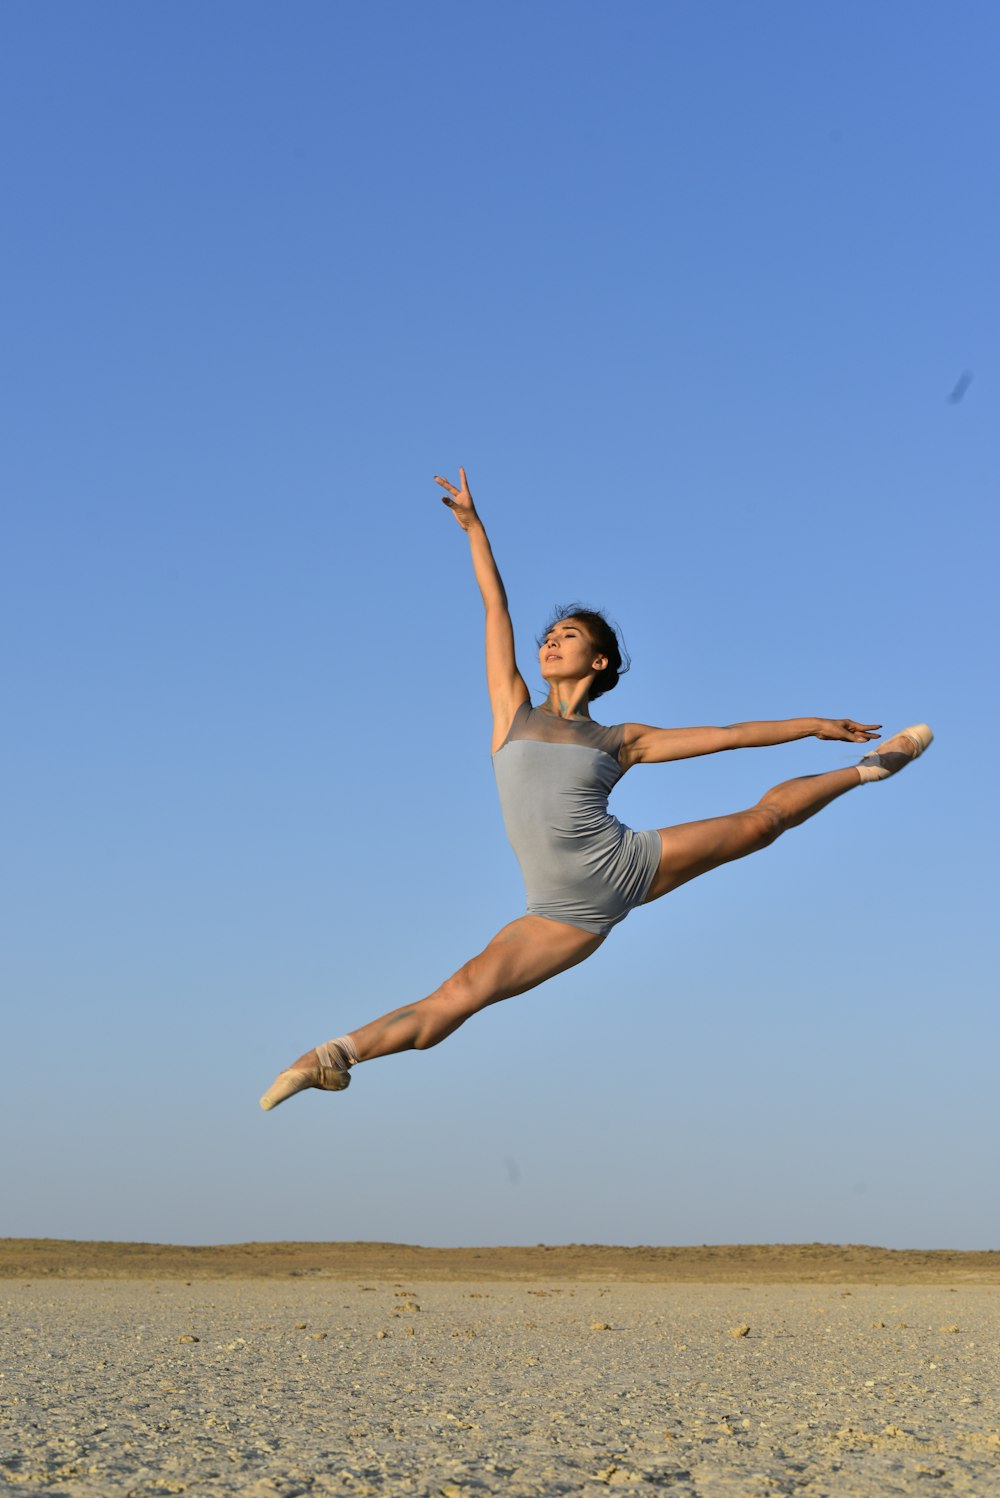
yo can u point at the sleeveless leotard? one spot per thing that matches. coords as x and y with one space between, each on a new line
580 864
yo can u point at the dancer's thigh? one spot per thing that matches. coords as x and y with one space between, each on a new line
525 953
694 848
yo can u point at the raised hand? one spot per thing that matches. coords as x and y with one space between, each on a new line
459 501
847 731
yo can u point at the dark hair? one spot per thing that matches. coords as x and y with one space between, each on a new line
607 640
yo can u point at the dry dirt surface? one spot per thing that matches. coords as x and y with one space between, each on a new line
307 1383
788 1264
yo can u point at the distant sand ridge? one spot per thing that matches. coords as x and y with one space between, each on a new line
759 1264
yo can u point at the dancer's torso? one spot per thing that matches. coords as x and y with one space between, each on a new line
580 864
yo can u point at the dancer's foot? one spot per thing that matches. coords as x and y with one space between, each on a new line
896 752
326 1067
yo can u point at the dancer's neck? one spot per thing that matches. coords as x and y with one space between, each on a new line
567 702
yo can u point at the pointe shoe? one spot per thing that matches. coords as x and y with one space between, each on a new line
895 753
327 1075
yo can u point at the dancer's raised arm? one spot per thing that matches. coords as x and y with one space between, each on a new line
643 745
504 681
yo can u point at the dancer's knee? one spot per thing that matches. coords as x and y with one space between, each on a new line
768 821
447 1007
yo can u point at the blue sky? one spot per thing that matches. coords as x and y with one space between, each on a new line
686 288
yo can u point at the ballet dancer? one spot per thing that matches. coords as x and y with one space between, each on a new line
583 870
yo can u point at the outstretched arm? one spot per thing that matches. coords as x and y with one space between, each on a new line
504 681
642 745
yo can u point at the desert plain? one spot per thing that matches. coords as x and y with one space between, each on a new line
287 1369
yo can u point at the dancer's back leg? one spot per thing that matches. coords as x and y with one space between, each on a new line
524 954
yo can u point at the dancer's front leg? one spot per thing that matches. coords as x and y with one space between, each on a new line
524 954
694 848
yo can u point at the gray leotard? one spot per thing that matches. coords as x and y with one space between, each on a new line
580 864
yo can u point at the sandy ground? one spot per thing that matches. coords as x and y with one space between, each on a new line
313 1384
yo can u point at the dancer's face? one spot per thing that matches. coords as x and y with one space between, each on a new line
568 651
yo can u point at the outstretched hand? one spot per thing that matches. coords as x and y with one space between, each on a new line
847 731
459 501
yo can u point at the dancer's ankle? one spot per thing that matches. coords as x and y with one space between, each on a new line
341 1053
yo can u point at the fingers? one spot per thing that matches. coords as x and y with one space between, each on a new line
451 487
850 732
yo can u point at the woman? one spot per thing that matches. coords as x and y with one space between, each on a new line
583 870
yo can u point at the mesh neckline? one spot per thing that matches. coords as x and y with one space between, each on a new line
560 719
